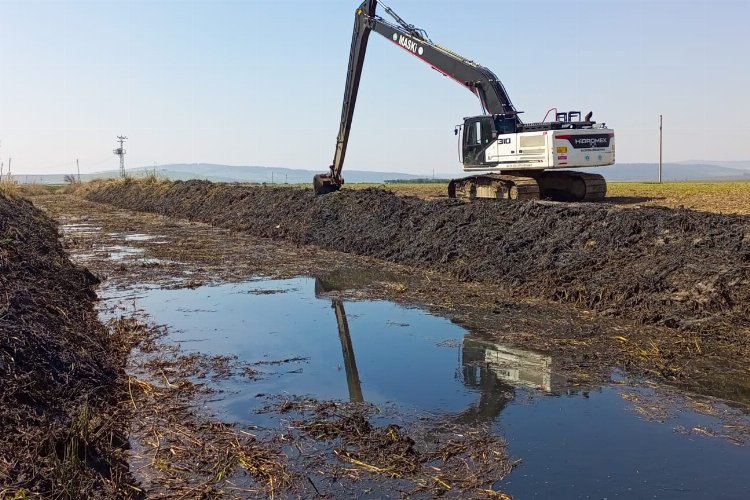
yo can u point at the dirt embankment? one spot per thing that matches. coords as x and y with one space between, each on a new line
59 370
676 268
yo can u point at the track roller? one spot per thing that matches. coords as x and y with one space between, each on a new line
494 186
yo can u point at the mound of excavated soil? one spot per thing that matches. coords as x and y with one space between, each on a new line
58 370
679 268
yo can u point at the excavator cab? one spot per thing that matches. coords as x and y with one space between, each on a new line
481 131
478 133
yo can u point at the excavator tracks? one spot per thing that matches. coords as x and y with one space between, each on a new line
495 186
549 185
565 185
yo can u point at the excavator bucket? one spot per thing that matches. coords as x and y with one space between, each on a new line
324 184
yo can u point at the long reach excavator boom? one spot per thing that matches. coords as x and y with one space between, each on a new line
515 154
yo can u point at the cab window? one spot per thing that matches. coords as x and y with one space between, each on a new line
505 124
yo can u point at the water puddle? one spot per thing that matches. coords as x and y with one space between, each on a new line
77 229
121 252
305 340
139 237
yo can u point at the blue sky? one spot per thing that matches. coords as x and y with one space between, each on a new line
260 82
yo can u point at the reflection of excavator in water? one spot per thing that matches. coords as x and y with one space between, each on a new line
494 370
350 363
488 367
523 159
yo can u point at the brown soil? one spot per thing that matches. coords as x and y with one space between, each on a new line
61 431
190 454
448 460
585 345
179 450
676 268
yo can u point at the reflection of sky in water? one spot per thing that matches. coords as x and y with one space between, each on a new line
119 252
572 446
396 363
138 237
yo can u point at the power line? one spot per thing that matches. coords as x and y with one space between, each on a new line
660 145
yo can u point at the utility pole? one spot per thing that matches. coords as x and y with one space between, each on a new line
121 153
78 167
660 146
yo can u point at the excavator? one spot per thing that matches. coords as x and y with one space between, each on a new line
510 159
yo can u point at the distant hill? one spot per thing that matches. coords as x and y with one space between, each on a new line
682 171
275 174
690 170
227 173
741 165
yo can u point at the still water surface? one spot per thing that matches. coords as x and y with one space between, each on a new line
573 444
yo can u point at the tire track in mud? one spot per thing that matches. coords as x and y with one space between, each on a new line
677 268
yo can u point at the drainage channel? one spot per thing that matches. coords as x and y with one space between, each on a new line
620 440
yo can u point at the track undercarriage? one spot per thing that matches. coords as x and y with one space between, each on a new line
561 185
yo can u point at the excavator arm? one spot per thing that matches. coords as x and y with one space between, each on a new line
477 79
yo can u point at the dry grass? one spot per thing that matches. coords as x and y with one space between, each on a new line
35 189
9 186
177 450
151 178
719 197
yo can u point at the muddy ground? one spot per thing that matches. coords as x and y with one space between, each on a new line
686 273
61 373
587 345
177 450
677 268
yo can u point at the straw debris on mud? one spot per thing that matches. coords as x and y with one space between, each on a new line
685 273
585 345
431 456
179 450
678 268
61 373
166 384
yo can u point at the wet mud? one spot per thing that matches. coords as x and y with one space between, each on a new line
61 374
179 449
140 251
678 268
684 271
